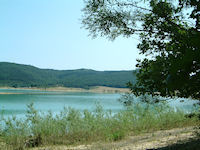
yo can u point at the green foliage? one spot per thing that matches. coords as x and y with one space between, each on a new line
71 126
169 32
16 75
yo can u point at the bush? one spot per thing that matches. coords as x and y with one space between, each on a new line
71 126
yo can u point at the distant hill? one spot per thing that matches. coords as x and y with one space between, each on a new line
18 75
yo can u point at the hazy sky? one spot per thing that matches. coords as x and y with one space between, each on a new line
48 34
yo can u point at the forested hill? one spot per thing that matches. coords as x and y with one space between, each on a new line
17 75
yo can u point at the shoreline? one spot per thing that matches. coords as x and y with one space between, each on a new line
96 89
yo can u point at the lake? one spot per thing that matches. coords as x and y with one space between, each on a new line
16 103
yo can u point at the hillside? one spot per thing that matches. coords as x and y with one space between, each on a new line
18 75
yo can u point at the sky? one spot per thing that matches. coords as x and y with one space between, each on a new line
48 34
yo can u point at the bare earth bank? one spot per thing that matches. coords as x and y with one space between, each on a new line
96 89
179 138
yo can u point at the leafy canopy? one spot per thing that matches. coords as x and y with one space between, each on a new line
170 39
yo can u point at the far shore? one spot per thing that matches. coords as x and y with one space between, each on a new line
96 89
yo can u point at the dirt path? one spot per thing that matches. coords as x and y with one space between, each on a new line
141 142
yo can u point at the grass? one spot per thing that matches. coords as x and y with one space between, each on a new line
71 126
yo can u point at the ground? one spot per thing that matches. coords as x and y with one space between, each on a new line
180 138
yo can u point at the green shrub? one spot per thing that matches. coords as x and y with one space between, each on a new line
72 126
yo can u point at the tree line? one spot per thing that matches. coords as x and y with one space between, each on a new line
16 75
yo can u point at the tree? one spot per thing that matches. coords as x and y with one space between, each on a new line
170 39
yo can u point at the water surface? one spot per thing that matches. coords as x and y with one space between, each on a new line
16 103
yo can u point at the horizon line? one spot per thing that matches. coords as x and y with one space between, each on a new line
63 69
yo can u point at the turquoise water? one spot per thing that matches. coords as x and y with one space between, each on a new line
16 104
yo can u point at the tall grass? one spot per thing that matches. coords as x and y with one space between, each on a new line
71 126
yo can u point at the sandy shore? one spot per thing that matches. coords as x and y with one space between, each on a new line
97 89
3 93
